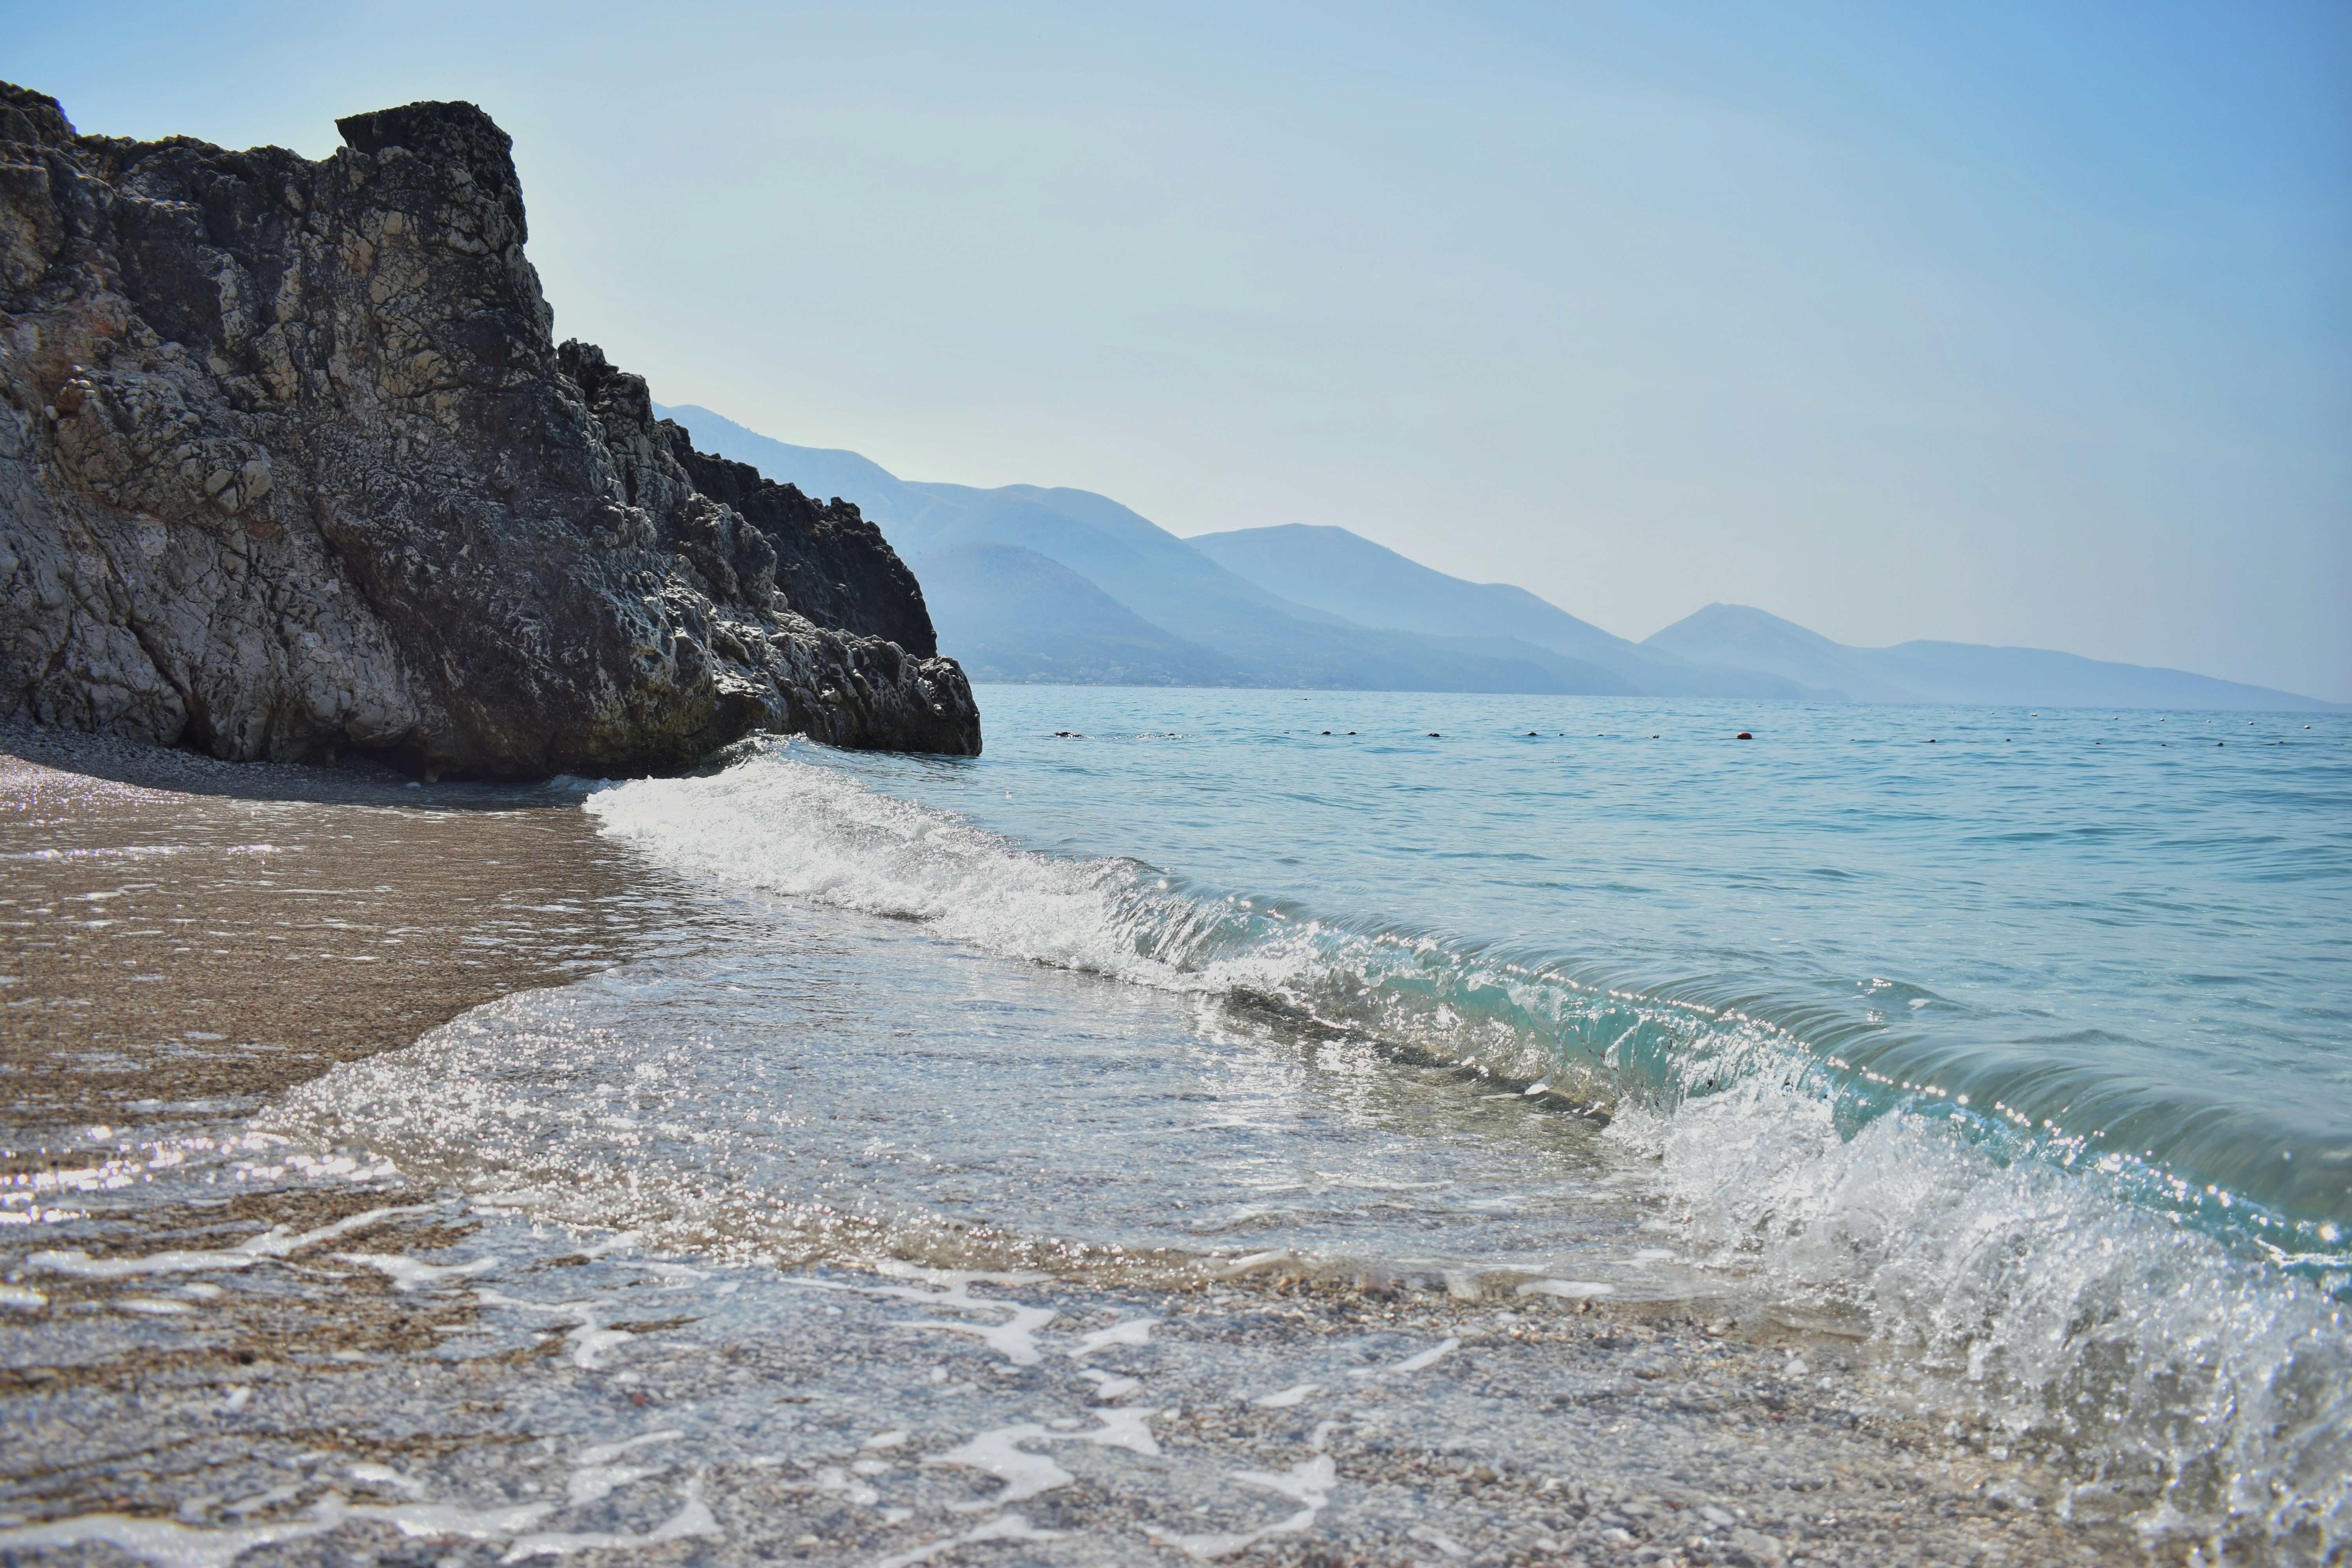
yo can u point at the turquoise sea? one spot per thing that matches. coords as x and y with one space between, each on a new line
2014 1046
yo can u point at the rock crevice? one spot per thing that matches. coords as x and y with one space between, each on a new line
291 467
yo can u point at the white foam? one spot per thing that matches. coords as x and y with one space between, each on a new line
1297 1393
601 1481
793 827
2041 1301
260 1500
274 1243
781 825
384 1475
1427 1358
595 1477
1129 1429
589 1338
1309 1483
693 1519
590 1343
441 1518
1014 1339
170 1544
1567 1290
82 1266
1133 1332
1254 1261
842 1483
164 1542
959 1281
606 1453
408 1274
1109 1387
1011 1527
999 1452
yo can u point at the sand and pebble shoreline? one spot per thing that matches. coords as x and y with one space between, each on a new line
337 1363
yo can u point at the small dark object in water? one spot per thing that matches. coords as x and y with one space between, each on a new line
1743 735
1531 734
1435 736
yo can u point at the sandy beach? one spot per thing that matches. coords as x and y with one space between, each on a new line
185 931
217 1346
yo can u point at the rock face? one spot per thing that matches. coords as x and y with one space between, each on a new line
292 467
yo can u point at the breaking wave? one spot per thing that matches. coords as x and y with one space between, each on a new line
2060 1256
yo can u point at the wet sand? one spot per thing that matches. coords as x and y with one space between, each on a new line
211 1350
180 930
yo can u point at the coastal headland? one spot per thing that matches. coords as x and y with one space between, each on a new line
292 467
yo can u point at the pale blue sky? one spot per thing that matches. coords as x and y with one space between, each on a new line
2025 324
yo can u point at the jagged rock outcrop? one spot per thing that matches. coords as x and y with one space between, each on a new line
291 467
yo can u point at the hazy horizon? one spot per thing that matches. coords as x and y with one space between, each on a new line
1980 324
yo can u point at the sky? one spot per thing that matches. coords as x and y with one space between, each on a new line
2020 324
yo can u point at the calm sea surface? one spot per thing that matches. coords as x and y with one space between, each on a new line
2012 1045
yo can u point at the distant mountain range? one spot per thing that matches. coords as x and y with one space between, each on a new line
1954 671
1029 583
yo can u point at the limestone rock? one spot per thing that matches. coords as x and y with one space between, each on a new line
291 467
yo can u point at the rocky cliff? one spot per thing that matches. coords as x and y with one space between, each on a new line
291 467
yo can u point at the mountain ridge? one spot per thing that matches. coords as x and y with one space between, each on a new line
1969 673
1267 639
1305 605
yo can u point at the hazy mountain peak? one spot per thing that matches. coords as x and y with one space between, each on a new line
1720 620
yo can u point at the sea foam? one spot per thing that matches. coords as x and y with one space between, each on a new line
2105 1312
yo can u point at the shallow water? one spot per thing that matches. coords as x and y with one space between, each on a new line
2010 1044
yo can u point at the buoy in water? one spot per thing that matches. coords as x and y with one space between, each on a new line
1743 735
1434 735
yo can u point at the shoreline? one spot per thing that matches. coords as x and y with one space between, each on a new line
219 931
324 1376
